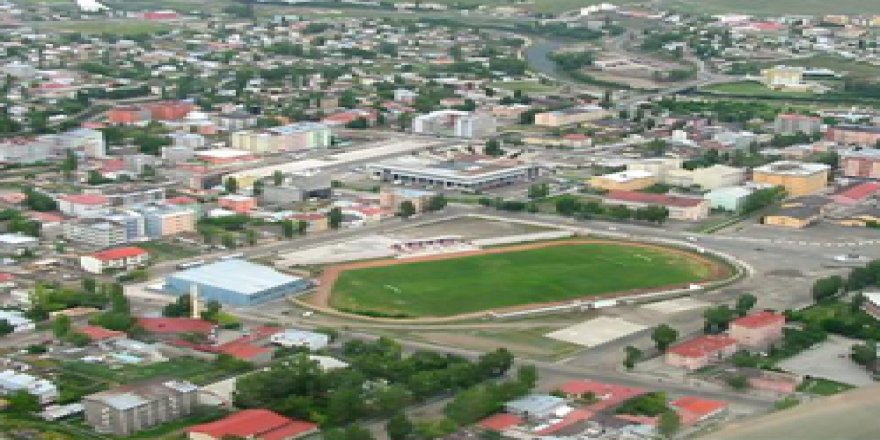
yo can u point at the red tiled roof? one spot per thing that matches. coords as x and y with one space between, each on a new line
175 325
500 422
5 277
702 345
638 420
181 200
45 217
608 394
119 253
653 199
860 191
255 423
693 409
242 350
760 319
96 333
85 199
795 116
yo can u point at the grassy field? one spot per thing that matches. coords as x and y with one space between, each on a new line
753 88
163 251
852 68
823 387
482 282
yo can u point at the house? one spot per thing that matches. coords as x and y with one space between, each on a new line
237 203
701 351
252 424
84 205
17 319
391 198
300 338
680 208
797 213
798 178
629 180
775 381
124 258
13 381
606 395
855 194
860 163
176 326
537 407
871 305
17 244
100 334
692 410
758 330
500 422
571 116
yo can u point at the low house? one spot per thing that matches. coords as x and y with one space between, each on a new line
692 410
855 194
17 320
797 213
629 180
237 203
252 424
101 334
124 258
177 326
775 381
300 338
537 407
17 244
700 352
871 305
680 208
758 330
13 381
605 395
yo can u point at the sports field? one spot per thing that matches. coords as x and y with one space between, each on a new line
498 278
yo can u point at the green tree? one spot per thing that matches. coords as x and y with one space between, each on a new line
23 402
334 217
231 185
669 423
407 209
865 354
738 382
493 148
251 237
69 165
301 227
277 178
258 188
437 202
633 355
399 427
61 326
744 303
663 336
5 327
539 190
228 241
826 288
89 284
287 228
717 318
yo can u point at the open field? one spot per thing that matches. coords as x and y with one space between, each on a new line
851 416
753 88
823 387
779 7
450 285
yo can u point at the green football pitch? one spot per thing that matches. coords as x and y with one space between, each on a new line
490 281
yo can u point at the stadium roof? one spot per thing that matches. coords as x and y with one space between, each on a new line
236 275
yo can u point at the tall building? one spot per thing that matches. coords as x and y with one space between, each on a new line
132 408
455 123
165 220
798 178
299 136
99 233
571 116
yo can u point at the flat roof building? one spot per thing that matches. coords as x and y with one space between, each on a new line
13 381
798 178
235 282
463 173
132 408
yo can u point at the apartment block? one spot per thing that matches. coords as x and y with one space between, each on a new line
133 408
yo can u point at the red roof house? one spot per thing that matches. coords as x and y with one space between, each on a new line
256 424
116 259
173 326
693 409
680 208
607 395
758 330
97 334
500 422
700 352
856 193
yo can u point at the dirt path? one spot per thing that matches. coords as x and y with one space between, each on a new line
320 299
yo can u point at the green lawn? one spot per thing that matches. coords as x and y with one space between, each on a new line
777 7
753 88
192 369
471 284
163 251
823 387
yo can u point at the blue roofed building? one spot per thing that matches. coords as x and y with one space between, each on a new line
235 282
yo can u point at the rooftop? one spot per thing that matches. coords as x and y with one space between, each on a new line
85 199
259 424
627 176
119 253
238 275
175 325
859 191
760 319
792 168
653 199
702 346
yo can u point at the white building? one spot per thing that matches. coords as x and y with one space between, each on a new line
84 205
95 232
114 259
455 123
17 244
12 381
300 338
17 320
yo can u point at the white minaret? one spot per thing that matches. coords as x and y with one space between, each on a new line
194 300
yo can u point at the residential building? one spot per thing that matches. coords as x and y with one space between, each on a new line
17 244
237 203
21 150
84 205
466 173
17 320
391 198
856 194
188 140
165 220
298 136
680 208
730 199
252 424
792 123
12 381
758 330
571 116
692 410
99 233
860 163
128 115
132 408
290 338
871 305
170 110
629 180
315 221
455 123
133 195
863 135
235 120
798 178
701 351
173 327
114 259
658 166
235 282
